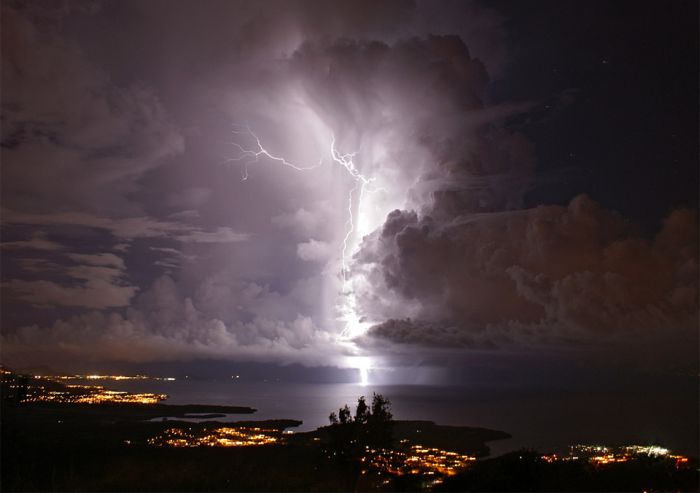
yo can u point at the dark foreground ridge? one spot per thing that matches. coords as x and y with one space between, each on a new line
109 447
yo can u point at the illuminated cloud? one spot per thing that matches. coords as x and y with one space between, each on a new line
129 163
314 250
166 326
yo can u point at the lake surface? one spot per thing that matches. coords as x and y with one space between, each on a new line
545 419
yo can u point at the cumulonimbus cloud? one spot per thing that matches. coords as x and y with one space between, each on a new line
535 276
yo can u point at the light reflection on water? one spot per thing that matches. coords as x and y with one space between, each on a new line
548 420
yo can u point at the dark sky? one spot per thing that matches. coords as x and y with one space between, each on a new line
628 75
464 187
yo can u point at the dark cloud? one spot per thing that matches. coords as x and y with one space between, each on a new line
92 281
38 241
129 228
546 275
72 136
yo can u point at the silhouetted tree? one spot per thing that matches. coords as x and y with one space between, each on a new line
372 427
380 408
362 411
344 415
379 430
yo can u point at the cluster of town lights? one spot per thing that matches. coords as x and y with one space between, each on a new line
53 388
94 395
216 437
102 377
433 463
601 455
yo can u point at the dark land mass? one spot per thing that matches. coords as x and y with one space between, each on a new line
99 447
113 424
104 447
462 439
94 458
69 447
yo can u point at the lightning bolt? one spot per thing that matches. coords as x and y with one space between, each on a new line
249 156
362 183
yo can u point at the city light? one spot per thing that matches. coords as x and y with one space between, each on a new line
434 463
216 437
103 377
601 455
53 389
85 394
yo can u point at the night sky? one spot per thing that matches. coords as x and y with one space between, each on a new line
426 191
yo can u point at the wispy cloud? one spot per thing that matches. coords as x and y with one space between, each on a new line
129 228
38 241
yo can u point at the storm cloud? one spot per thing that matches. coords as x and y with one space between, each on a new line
137 226
546 275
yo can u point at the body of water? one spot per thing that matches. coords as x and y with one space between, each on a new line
545 419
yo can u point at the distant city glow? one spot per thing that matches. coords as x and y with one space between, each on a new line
601 455
102 377
431 463
216 437
86 394
51 388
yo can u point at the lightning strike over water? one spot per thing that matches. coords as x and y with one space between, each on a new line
353 326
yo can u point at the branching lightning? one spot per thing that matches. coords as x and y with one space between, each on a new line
346 160
361 182
249 156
